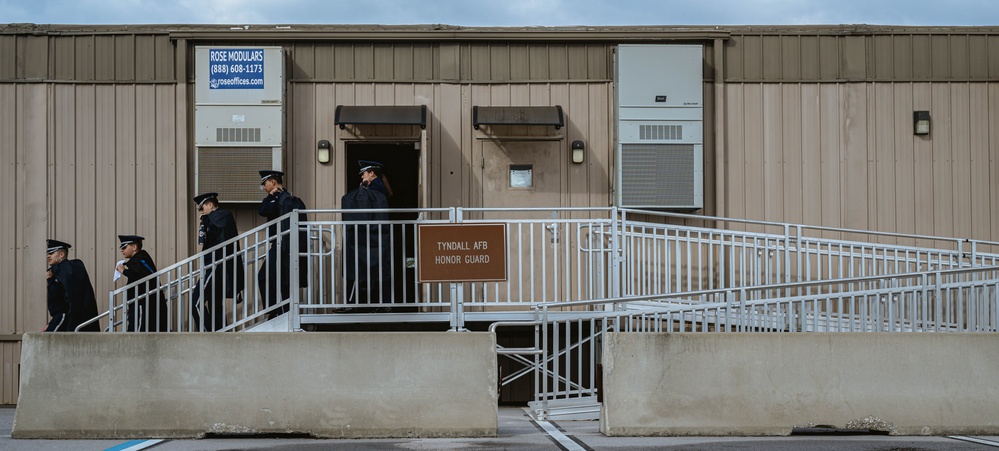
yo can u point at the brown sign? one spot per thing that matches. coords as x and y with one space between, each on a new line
462 253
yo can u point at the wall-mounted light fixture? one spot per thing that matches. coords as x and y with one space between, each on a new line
578 151
323 151
921 122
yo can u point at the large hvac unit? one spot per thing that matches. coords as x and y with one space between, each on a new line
239 119
660 126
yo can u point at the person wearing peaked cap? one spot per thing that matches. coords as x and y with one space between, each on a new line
70 299
143 312
275 272
224 273
368 246
373 177
266 175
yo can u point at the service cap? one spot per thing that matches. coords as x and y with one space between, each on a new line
201 198
129 239
54 245
264 175
368 165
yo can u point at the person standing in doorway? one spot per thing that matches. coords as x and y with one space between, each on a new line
223 268
71 299
143 312
368 250
275 273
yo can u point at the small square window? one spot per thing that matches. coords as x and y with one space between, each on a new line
521 176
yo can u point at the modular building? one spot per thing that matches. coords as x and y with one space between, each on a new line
108 130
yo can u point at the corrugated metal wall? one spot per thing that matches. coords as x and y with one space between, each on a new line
844 155
437 62
83 163
451 137
831 54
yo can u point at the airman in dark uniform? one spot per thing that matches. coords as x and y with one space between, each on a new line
71 299
368 252
223 269
276 270
143 313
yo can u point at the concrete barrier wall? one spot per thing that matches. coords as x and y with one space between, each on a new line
767 384
324 384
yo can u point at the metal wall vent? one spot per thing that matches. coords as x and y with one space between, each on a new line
659 132
237 135
658 175
232 171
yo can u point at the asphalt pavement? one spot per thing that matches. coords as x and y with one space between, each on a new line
518 432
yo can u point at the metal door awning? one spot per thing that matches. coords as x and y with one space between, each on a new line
381 115
517 115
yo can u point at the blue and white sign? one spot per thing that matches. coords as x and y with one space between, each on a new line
236 68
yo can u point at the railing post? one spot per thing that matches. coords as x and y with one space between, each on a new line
615 252
295 253
457 308
542 369
111 311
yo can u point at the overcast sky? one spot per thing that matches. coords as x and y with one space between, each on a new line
504 12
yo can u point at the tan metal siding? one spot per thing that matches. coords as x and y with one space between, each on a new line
403 63
10 351
383 58
476 63
343 57
844 155
8 57
450 62
451 153
322 59
64 59
752 60
364 68
809 57
992 142
32 58
425 62
771 57
304 56
84 59
30 148
11 196
992 45
788 60
124 57
104 58
885 56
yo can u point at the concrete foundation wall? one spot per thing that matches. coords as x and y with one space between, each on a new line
767 384
324 384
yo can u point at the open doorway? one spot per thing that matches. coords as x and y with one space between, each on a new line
401 162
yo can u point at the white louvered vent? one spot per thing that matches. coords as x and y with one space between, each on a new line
660 132
658 175
237 135
232 171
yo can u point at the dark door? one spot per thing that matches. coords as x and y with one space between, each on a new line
401 163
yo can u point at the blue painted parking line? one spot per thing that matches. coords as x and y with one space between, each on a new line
134 445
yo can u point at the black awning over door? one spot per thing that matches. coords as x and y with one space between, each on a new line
381 115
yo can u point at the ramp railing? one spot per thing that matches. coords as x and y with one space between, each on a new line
662 257
569 334
553 256
218 289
